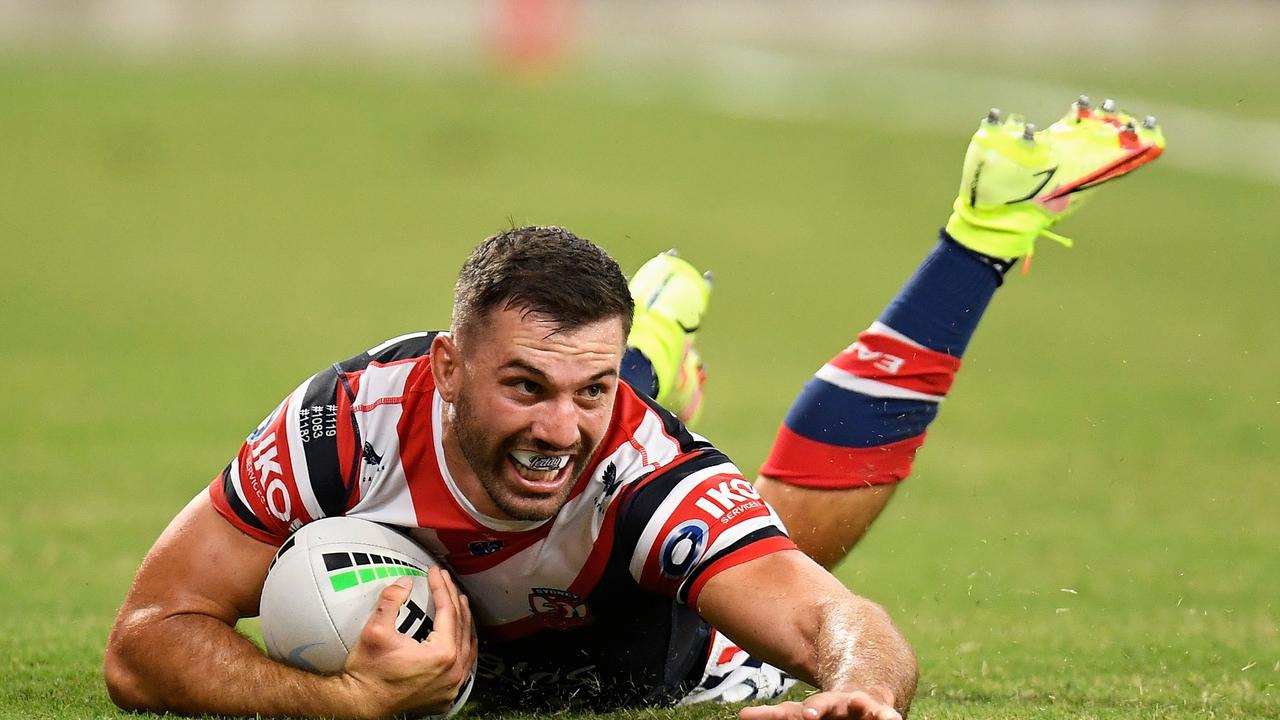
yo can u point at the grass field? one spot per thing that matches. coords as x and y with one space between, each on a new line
1091 531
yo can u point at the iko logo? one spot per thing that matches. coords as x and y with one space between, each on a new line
891 364
683 548
271 475
717 501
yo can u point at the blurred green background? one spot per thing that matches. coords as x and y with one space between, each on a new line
190 226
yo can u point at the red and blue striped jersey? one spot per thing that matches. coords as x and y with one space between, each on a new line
657 512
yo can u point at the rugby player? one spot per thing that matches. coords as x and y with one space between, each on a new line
610 557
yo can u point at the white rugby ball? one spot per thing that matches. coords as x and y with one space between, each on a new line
323 584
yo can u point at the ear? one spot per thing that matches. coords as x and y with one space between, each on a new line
446 366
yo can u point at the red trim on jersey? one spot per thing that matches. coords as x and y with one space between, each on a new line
346 442
892 361
747 553
797 460
629 413
218 496
380 401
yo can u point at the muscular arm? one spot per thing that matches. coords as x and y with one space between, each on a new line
801 618
174 646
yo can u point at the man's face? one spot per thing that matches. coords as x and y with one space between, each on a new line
528 408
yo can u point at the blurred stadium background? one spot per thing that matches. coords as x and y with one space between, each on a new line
201 203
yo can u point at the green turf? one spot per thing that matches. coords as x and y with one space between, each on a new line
1091 531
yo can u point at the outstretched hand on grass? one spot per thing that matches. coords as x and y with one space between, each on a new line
831 705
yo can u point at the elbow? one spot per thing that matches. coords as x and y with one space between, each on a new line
123 684
126 685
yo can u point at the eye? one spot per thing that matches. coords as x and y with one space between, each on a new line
593 391
528 387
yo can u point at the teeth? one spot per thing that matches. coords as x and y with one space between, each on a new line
540 463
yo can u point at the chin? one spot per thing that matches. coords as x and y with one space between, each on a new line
528 508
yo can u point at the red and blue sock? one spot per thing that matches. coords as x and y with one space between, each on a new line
860 420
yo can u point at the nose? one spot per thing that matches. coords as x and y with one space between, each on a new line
556 423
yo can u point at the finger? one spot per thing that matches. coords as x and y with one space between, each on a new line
471 649
446 619
464 620
856 705
832 705
387 606
881 712
789 710
456 596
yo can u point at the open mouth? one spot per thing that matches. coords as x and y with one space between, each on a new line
538 469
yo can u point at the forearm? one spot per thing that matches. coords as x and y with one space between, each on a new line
194 663
857 648
827 637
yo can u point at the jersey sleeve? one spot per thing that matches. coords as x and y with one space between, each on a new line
296 466
692 519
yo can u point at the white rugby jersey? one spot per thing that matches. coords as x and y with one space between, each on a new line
592 604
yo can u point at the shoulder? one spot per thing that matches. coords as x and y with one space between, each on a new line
647 425
410 346
389 369
649 452
303 461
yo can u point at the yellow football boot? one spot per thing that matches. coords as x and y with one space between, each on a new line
1017 181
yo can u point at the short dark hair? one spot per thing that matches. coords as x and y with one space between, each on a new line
546 270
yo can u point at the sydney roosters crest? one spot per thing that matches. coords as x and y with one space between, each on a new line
560 609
